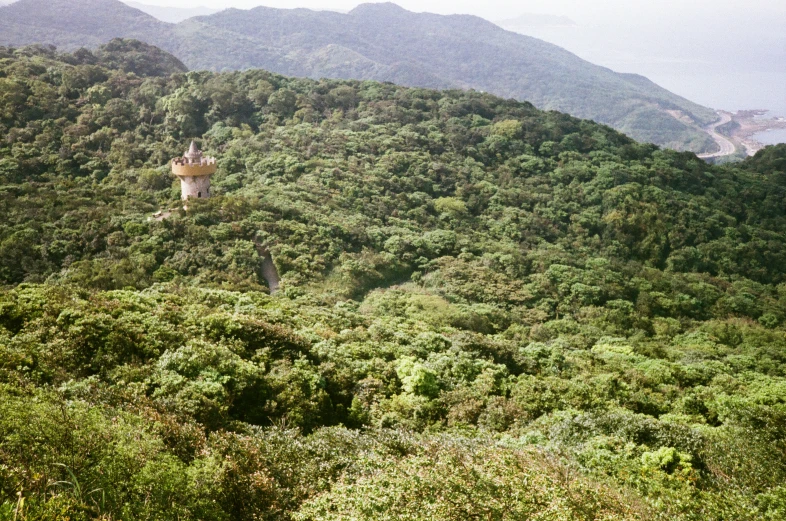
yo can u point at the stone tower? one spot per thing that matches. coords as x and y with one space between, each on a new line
194 171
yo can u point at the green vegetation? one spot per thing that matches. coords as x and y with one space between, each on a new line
486 311
380 42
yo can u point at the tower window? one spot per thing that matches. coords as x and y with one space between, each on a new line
199 194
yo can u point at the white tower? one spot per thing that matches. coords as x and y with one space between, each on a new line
194 172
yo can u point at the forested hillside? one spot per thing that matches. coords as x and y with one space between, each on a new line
486 311
380 42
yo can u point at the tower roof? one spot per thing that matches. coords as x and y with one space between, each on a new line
193 152
193 163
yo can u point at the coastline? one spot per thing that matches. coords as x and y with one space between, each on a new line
746 124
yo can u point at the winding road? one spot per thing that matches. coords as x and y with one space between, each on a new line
727 148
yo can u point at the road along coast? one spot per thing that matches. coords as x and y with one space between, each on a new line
734 131
726 146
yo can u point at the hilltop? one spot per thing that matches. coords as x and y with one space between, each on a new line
485 311
380 42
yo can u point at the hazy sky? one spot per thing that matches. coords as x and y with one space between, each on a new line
721 53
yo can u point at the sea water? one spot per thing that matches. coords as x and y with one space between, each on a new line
771 137
777 135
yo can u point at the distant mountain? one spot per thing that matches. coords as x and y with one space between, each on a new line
70 24
379 42
172 14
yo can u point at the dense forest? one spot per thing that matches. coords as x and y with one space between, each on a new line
486 311
382 42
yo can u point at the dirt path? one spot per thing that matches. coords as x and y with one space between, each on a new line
727 148
268 268
270 273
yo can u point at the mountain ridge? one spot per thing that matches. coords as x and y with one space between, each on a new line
387 43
